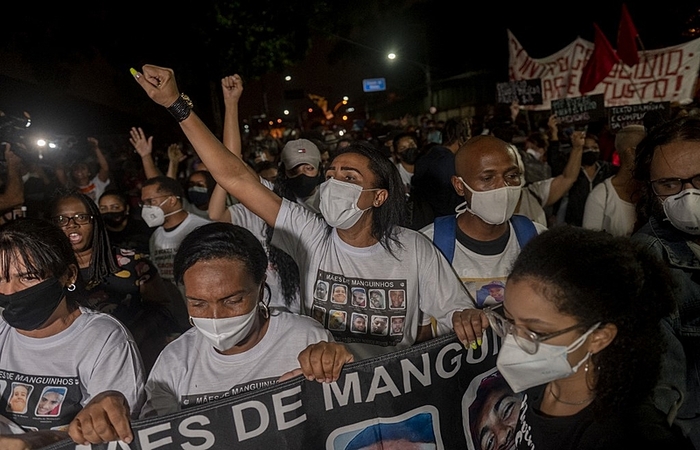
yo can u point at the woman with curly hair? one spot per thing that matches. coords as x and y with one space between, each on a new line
583 341
114 280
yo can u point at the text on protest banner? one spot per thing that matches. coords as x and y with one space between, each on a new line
579 110
431 393
664 75
621 116
525 92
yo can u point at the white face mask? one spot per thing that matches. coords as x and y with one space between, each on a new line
225 333
493 207
683 210
338 203
523 370
154 215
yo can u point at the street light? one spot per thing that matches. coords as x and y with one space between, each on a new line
426 69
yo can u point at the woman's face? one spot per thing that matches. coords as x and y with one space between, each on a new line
220 288
20 279
527 308
197 179
80 235
354 168
111 204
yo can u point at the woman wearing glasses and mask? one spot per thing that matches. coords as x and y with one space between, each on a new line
50 342
114 280
358 238
582 339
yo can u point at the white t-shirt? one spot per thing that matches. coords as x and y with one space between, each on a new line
95 188
392 294
190 372
405 176
164 244
477 271
605 210
94 354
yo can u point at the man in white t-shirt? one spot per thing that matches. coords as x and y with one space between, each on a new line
490 180
161 207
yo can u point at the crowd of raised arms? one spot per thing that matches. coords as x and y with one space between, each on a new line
132 280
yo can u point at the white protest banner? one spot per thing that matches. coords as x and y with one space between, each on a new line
663 75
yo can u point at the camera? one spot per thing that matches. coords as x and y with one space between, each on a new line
12 131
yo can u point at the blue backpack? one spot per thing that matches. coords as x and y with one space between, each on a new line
445 232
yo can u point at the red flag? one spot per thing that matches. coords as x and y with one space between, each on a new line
599 64
627 39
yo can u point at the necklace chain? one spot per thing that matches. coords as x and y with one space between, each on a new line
582 402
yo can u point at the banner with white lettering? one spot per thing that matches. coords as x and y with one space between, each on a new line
436 393
663 75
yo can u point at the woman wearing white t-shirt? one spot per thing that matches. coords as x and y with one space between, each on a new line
357 242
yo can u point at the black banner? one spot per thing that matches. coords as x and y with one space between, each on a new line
430 393
621 116
579 110
525 92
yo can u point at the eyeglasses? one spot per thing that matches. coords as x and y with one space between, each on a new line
527 340
150 201
78 219
673 186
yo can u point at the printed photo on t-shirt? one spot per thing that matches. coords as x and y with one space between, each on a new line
339 294
380 325
50 401
319 314
397 299
376 299
358 323
490 293
397 324
19 398
321 292
359 298
337 320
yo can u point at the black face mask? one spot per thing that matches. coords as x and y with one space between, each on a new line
303 185
114 219
589 158
409 156
30 308
198 196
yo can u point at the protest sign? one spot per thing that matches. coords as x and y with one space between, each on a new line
579 110
525 92
621 116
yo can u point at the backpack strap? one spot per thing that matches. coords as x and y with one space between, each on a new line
445 235
524 228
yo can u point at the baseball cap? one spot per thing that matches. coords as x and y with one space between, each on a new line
300 151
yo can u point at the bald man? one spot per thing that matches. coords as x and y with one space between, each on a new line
490 182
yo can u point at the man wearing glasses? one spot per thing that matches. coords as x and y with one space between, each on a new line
667 168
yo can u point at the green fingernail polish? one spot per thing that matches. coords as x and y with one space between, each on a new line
134 72
473 345
478 342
